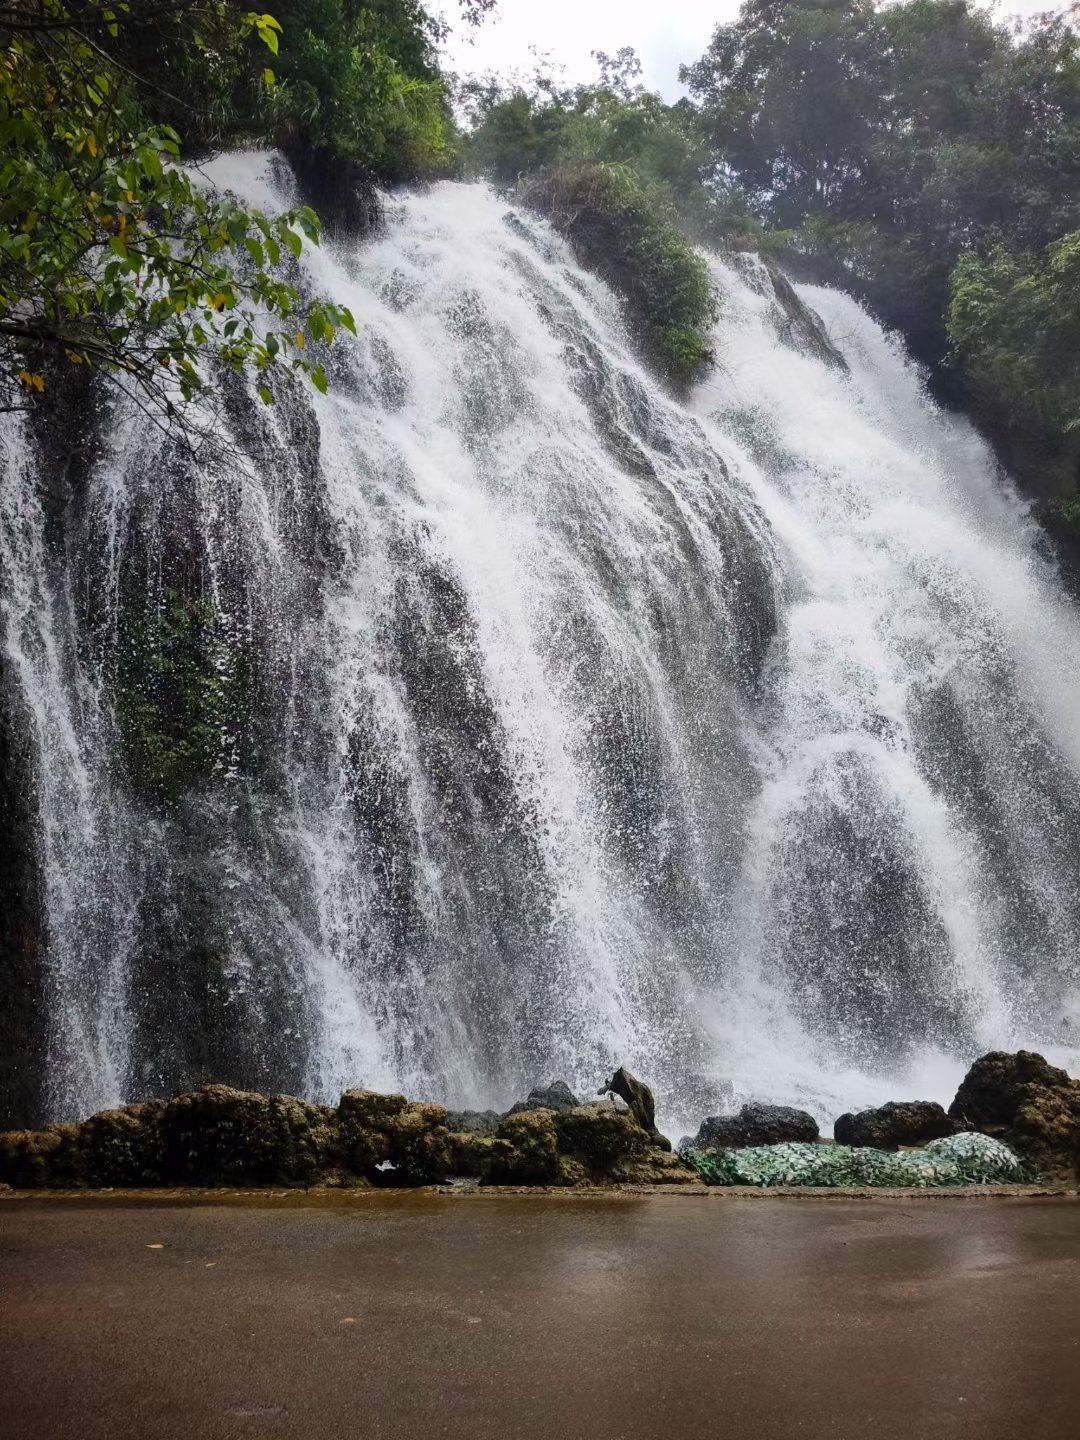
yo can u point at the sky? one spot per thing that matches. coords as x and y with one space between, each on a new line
664 34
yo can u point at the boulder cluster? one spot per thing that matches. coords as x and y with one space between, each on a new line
1020 1099
223 1137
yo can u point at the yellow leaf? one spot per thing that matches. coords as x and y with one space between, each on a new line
73 356
217 302
91 145
155 1247
31 381
299 339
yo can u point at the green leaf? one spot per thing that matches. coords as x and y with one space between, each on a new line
318 379
265 396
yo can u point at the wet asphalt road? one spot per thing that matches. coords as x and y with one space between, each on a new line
539 1318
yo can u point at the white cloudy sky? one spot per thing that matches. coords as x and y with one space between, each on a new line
663 34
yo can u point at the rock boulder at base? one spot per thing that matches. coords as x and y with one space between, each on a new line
473 1122
556 1096
639 1098
220 1136
900 1122
525 1150
1027 1102
755 1124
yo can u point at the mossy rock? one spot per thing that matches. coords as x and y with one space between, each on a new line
124 1146
220 1136
419 1146
1033 1106
525 1150
601 1136
572 1172
368 1110
470 1154
32 1159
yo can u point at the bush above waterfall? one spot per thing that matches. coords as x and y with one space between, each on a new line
626 233
629 180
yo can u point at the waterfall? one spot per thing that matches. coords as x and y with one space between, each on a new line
501 715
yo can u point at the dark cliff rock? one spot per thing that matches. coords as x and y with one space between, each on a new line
1027 1102
556 1096
755 1125
22 920
341 191
800 327
911 1122
639 1098
793 320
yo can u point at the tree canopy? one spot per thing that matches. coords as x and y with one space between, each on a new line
926 157
114 255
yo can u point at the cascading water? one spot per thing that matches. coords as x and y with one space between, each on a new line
498 715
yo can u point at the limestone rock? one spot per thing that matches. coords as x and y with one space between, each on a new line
910 1122
639 1098
30 1159
1027 1102
124 1146
525 1150
470 1154
602 1137
755 1124
419 1146
368 1109
556 1096
220 1136
474 1122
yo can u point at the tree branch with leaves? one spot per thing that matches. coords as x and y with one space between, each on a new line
115 257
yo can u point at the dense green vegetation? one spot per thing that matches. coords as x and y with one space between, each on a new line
630 181
172 692
928 159
111 256
920 154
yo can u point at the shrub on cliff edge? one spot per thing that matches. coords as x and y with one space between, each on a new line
627 232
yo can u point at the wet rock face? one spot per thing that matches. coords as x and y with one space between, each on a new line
526 1150
755 1125
1027 1102
912 1122
473 1122
639 1098
219 1136
22 931
556 1096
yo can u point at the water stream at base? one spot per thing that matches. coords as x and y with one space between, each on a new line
557 722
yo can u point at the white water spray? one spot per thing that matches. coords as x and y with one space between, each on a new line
561 723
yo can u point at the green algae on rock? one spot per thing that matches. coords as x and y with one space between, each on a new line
966 1159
